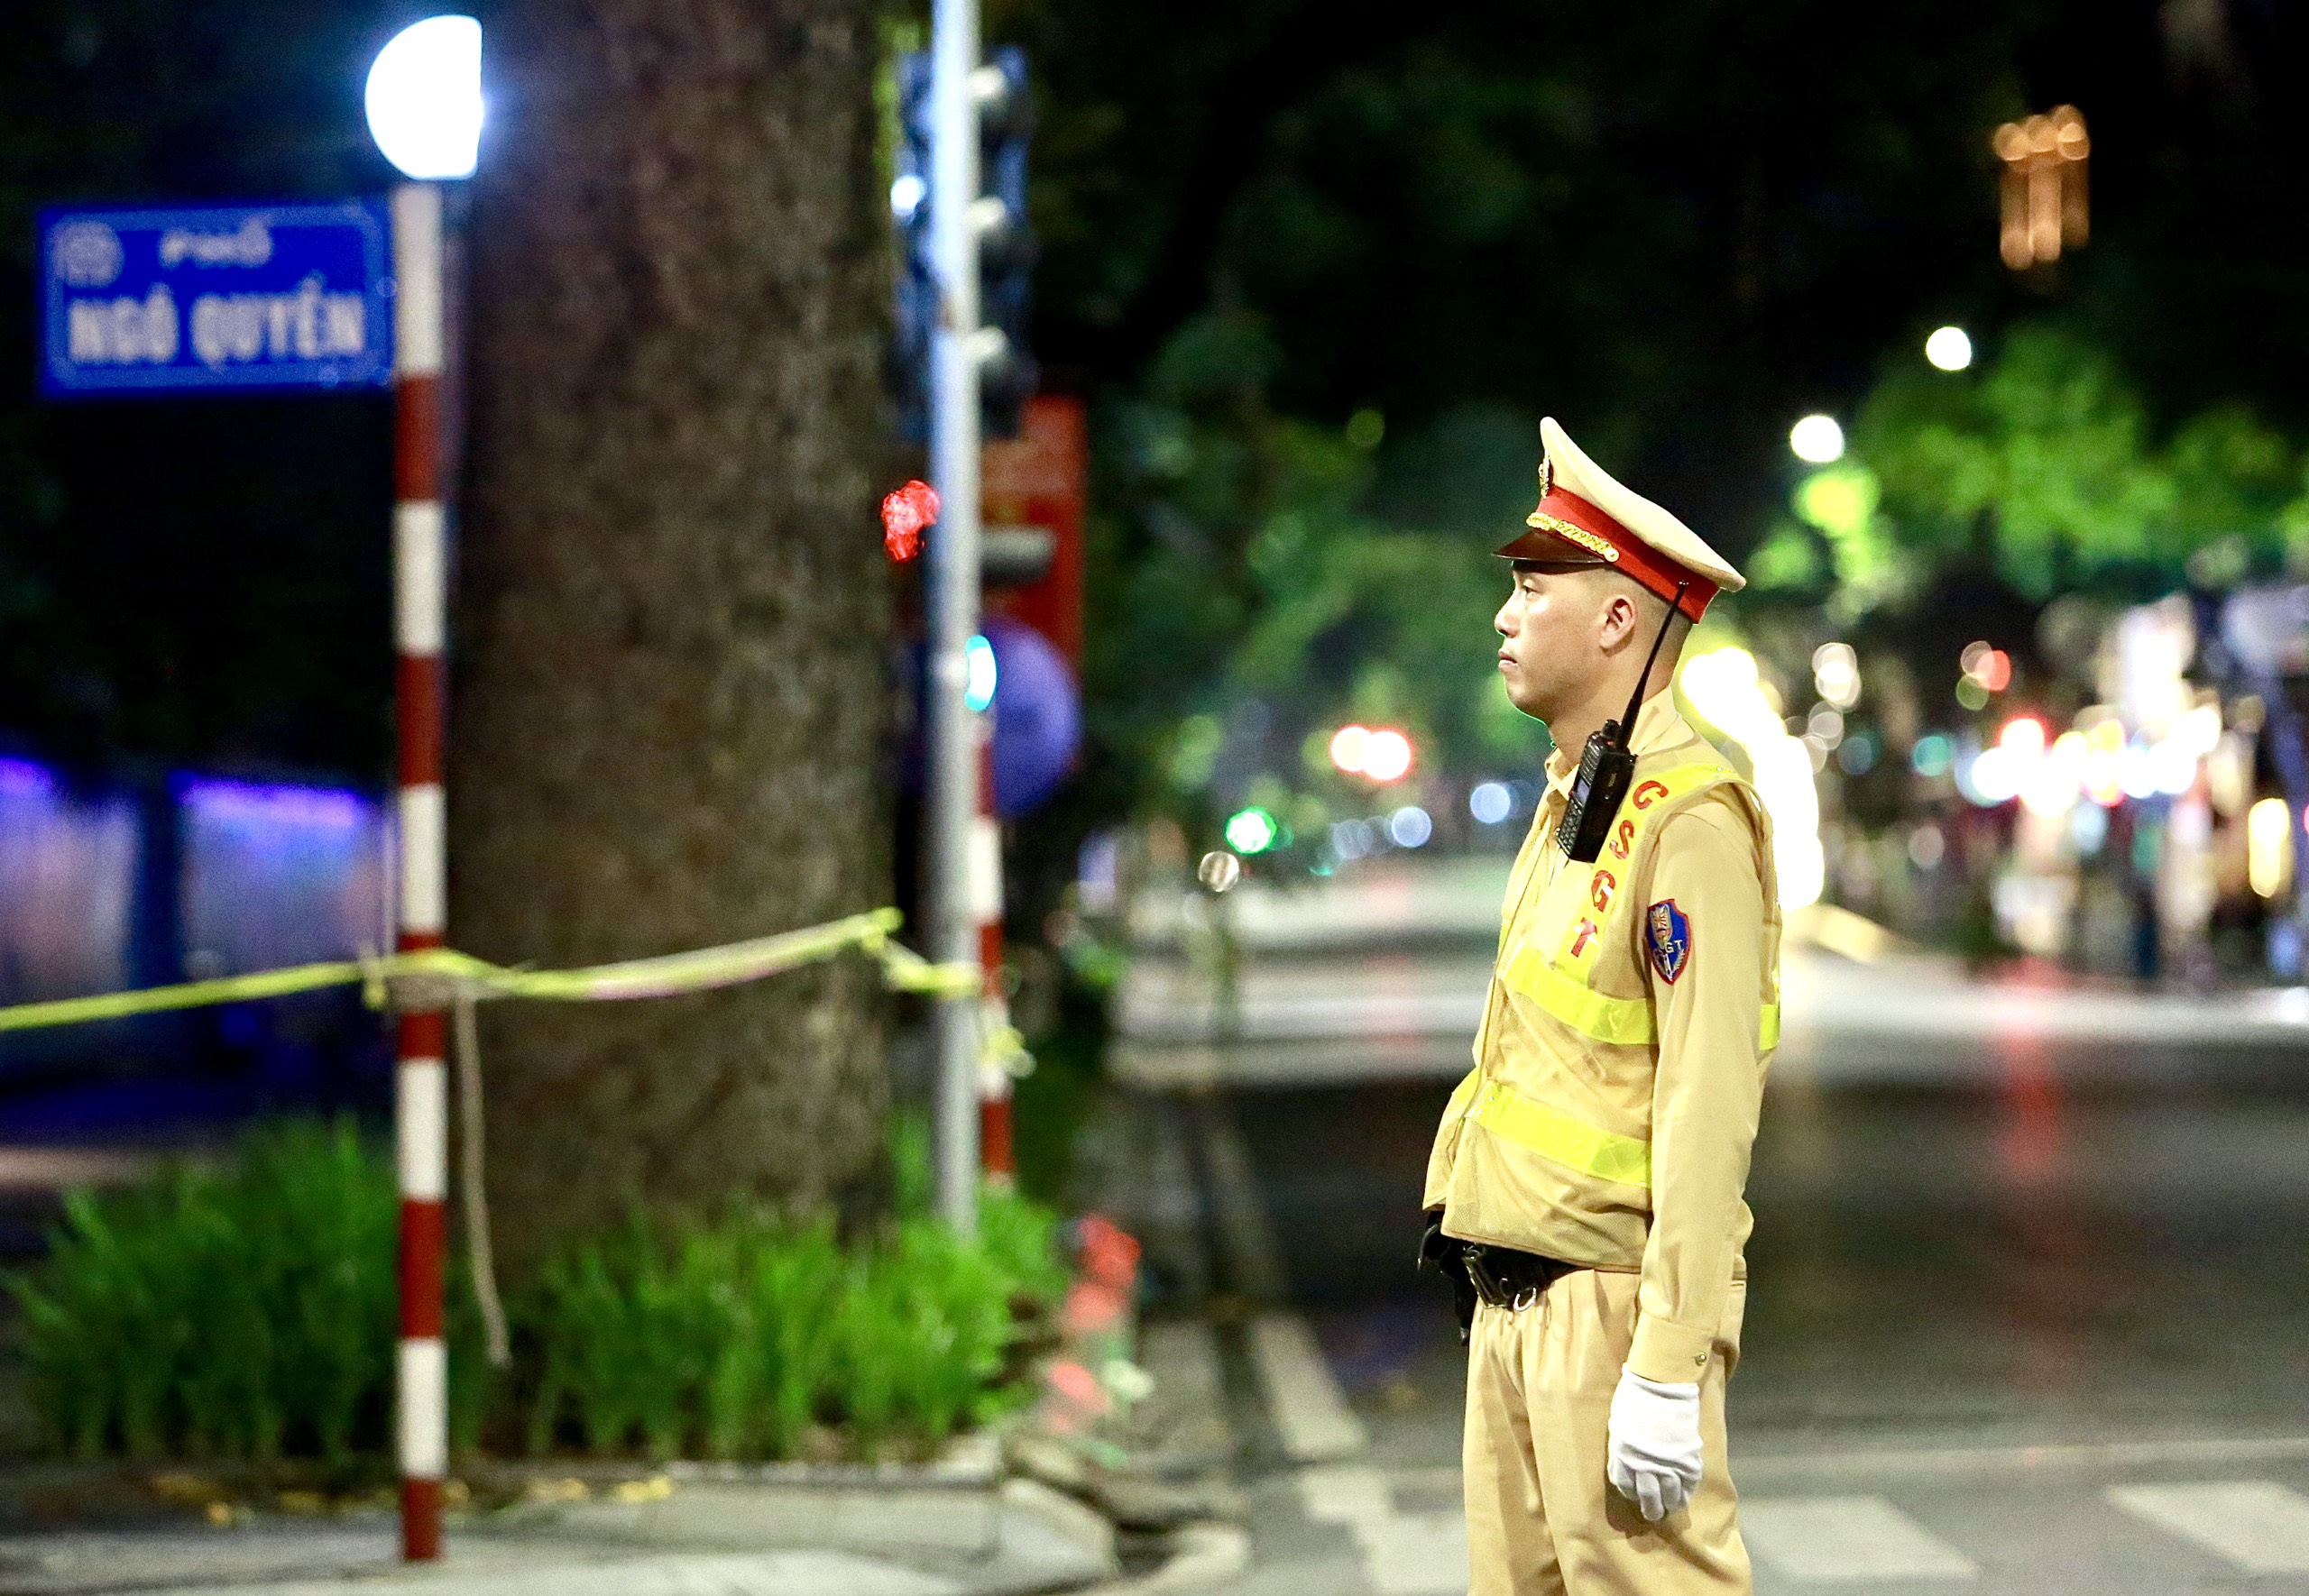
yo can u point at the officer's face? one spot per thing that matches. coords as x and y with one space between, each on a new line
1555 631
1547 632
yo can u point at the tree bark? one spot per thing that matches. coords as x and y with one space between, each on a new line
668 691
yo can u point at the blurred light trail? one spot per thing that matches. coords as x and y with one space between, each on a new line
1818 439
423 98
1723 685
1949 349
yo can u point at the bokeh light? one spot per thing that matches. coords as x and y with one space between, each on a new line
1950 349
1387 756
1818 439
1409 827
1347 746
1490 803
1250 830
1835 675
2268 845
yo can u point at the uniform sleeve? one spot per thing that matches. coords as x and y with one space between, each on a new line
1703 957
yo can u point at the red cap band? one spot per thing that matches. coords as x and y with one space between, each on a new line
1566 515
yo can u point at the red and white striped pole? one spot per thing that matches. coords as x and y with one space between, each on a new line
420 1099
997 1159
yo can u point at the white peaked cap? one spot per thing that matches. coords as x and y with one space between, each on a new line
1584 506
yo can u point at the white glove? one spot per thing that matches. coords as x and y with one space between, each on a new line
1655 1456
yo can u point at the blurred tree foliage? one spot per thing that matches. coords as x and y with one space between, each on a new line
1325 268
1676 228
2047 469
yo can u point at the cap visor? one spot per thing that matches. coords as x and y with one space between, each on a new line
1541 544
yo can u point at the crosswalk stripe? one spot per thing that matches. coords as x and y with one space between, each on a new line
1415 1554
2258 1525
1309 1411
1345 1493
1847 1537
1403 1554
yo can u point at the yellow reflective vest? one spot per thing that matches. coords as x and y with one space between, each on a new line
1619 1070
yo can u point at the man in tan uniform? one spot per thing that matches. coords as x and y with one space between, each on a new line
1587 1176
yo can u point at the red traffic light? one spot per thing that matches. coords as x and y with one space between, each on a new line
905 514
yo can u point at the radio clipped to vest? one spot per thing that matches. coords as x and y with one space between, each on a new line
1607 764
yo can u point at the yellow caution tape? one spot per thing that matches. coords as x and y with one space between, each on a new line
436 977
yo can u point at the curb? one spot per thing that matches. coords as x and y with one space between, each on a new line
1203 1554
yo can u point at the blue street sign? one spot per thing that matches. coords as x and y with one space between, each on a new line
216 296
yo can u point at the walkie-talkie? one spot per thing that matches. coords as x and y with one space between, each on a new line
1606 765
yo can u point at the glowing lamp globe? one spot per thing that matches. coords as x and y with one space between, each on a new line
424 98
1816 440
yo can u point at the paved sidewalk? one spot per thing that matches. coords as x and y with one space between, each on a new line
691 1541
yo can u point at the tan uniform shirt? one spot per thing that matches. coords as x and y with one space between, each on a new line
1691 1090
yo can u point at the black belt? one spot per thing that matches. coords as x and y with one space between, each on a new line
1505 1278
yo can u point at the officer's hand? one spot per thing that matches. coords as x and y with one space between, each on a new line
1655 1455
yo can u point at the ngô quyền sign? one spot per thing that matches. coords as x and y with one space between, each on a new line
204 297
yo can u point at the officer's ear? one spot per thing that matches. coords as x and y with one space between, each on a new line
1622 616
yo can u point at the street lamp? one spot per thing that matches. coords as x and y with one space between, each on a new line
424 98
1818 440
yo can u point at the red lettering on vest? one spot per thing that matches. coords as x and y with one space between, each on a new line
1648 793
1586 935
1600 887
1623 840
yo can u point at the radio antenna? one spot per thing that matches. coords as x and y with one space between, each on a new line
1635 698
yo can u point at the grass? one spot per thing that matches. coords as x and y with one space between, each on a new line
246 1312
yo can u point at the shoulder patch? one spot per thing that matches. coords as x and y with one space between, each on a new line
1667 935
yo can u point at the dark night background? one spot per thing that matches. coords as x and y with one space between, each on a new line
1675 235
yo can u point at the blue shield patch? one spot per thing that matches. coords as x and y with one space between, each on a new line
1668 936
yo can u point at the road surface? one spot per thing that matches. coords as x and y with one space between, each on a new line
2030 1289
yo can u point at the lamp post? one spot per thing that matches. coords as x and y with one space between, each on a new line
423 106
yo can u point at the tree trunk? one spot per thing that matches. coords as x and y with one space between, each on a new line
669 694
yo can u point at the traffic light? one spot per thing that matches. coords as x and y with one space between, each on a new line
1008 373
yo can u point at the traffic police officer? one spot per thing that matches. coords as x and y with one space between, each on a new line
1586 1183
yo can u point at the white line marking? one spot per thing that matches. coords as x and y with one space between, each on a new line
2258 1525
1847 1537
1415 1554
1344 1494
1309 1412
1403 1554
1796 1471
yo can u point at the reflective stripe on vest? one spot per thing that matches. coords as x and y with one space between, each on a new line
1560 1139
1623 1020
1559 984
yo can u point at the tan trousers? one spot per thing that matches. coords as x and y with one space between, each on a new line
1542 1519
